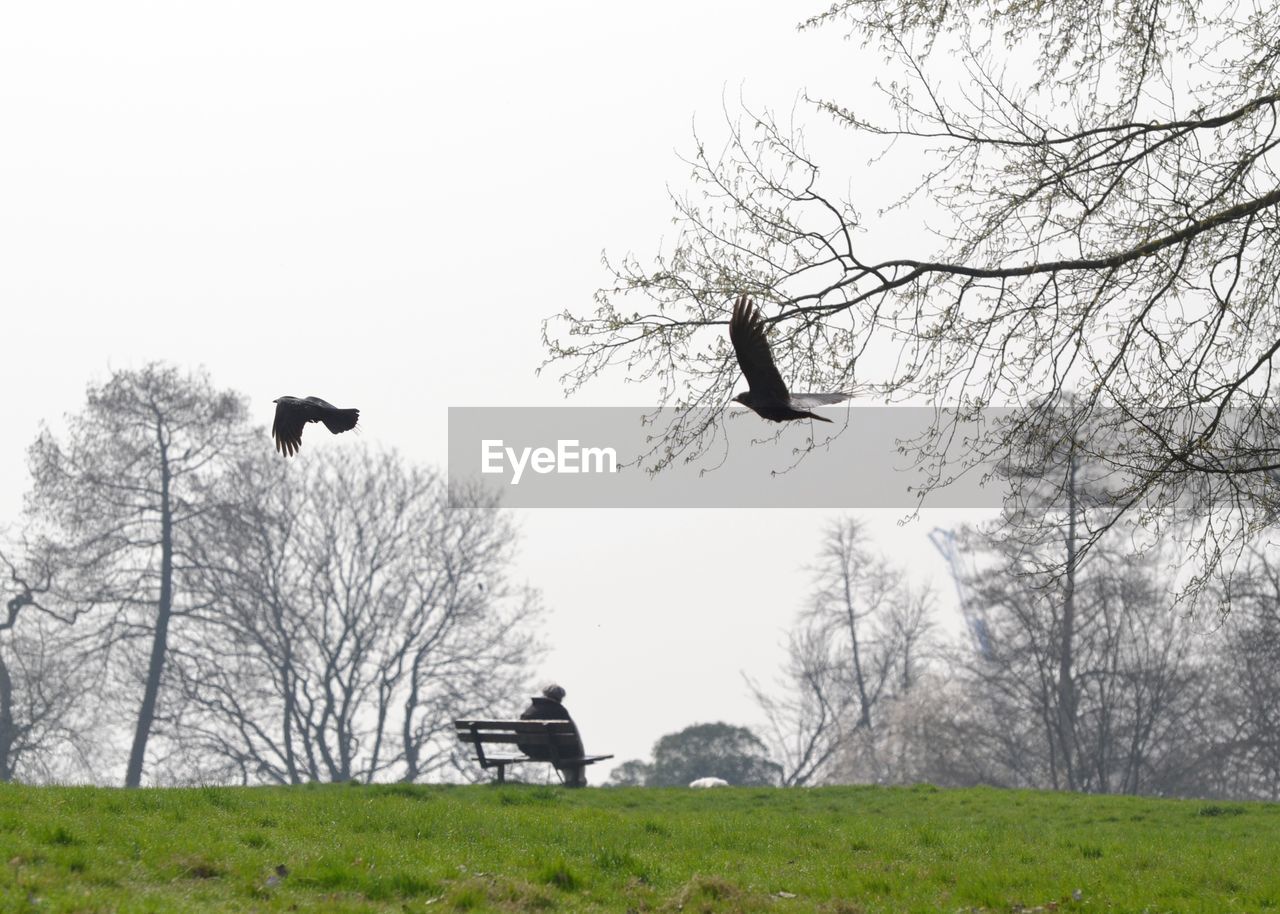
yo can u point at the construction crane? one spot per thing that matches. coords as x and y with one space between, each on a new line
961 571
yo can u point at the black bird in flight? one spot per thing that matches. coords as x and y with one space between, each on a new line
768 395
292 413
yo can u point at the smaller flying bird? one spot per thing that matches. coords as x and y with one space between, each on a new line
292 413
768 395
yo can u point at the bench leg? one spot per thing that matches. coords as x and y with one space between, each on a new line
575 776
502 774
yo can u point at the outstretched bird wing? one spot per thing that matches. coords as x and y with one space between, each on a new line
746 332
291 416
807 401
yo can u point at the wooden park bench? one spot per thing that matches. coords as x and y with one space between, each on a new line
559 736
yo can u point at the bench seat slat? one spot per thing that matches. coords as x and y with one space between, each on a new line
504 759
508 759
532 739
516 726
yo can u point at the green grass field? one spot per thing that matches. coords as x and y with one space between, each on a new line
520 848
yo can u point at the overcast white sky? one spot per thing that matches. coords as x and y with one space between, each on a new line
378 203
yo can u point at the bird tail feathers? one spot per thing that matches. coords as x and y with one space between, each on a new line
341 420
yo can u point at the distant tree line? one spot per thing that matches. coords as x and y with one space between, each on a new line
1080 669
182 605
179 604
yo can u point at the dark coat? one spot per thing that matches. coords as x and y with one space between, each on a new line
542 708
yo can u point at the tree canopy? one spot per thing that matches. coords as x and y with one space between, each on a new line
716 750
1100 181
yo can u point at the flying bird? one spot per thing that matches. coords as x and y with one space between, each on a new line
292 413
768 395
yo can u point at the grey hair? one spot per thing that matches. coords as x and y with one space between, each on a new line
553 691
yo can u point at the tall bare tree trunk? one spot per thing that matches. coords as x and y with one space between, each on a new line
8 728
160 641
1066 688
864 702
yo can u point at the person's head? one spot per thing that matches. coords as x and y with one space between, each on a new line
553 691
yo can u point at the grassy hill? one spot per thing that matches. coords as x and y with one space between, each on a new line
518 848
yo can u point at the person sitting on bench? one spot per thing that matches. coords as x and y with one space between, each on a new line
547 706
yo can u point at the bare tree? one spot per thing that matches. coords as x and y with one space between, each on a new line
858 645
42 681
121 494
1090 680
1102 178
1243 717
351 612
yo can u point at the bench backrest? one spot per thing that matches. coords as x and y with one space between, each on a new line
563 734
